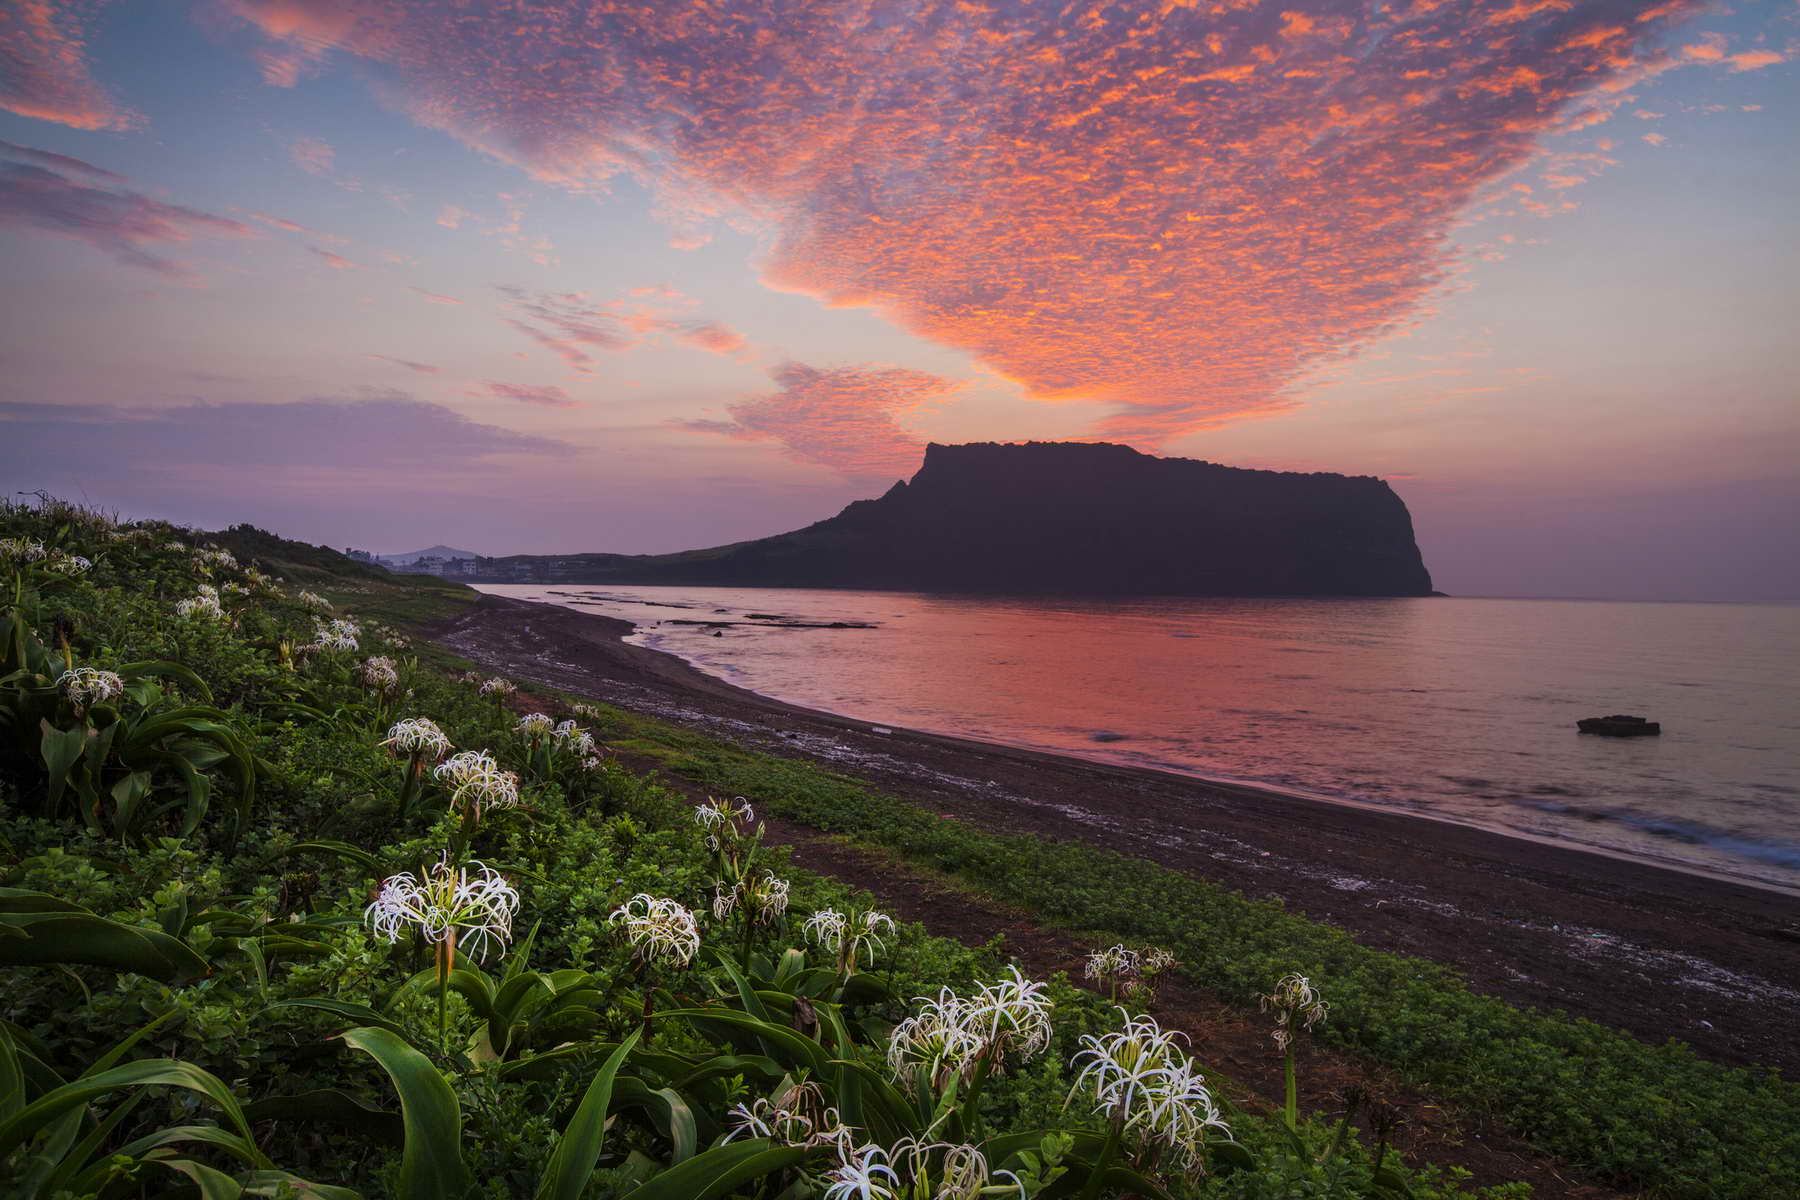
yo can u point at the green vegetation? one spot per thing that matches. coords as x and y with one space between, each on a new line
1656 1118
284 911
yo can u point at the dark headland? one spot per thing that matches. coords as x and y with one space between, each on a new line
1060 517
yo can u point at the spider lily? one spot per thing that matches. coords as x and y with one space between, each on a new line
762 901
476 781
85 687
497 688
850 936
314 600
797 1116
661 932
419 739
339 633
968 1038
205 605
379 675
1294 1000
918 1170
445 905
1147 1088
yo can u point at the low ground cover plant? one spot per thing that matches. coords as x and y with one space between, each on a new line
285 911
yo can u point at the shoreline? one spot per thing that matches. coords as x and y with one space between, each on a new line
1249 788
1660 951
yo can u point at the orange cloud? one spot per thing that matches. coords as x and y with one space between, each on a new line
1174 211
841 417
43 67
437 298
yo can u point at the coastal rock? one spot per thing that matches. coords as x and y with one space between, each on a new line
1062 517
1619 725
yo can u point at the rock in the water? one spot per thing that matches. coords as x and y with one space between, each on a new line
1619 725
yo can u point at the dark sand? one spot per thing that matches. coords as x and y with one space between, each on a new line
1661 953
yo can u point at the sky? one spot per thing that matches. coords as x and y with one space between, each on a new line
647 275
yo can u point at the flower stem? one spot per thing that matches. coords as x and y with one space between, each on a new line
1292 1111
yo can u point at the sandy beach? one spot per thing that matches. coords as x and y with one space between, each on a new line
1659 952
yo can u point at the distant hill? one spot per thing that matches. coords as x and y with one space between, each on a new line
1063 517
433 552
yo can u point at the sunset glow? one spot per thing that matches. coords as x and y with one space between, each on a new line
648 276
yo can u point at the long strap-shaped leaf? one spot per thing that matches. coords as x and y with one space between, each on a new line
96 941
431 1166
145 1073
578 1150
718 1171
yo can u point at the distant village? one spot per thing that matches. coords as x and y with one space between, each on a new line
477 567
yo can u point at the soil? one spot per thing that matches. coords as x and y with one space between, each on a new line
1660 953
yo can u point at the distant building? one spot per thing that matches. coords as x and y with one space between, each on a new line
361 556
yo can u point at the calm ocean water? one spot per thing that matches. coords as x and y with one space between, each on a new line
1463 709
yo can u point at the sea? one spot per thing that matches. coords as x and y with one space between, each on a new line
1452 708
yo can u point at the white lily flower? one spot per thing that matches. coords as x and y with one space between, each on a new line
472 907
379 674
863 1174
88 686
418 735
659 929
851 936
1139 1078
1293 997
496 687
475 778
19 550
533 725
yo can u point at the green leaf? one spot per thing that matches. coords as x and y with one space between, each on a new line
431 1166
349 1010
150 1072
61 750
668 1112
572 1162
331 1106
719 1170
360 857
80 937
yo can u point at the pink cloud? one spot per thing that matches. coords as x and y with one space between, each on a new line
1173 211
846 418
336 262
287 226
436 297
421 368
713 337
312 155
550 397
567 324
117 221
43 67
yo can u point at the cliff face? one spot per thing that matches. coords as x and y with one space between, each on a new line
1066 517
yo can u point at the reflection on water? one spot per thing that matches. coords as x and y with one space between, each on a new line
1464 709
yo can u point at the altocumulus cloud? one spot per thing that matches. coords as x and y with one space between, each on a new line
57 194
43 67
373 433
1176 210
